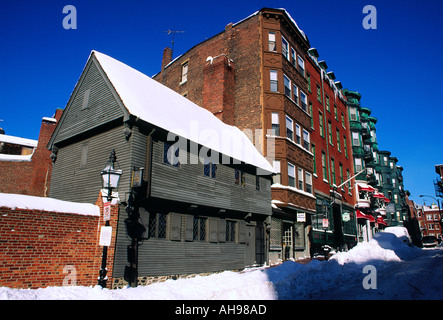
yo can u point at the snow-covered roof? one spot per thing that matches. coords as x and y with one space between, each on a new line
20 201
155 103
17 140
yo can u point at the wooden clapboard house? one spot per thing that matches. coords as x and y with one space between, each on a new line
206 199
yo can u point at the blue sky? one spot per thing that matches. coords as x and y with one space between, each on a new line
396 67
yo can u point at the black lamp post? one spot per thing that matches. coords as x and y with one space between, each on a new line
110 179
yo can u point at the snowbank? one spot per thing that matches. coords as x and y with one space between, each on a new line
19 201
339 278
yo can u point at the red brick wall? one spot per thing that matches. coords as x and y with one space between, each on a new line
247 90
322 143
31 178
40 248
15 177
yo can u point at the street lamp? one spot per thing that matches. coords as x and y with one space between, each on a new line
110 179
110 175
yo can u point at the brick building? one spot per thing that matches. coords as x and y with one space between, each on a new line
25 164
429 218
333 161
253 75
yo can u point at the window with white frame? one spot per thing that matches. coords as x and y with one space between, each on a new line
291 175
274 80
287 83
293 58
275 124
308 178
184 76
272 43
355 139
295 90
303 101
289 128
358 164
353 113
300 179
297 134
301 65
306 139
285 48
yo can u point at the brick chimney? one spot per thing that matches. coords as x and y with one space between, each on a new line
41 161
218 88
167 58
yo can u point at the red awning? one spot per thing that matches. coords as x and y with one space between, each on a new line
378 195
361 215
387 200
365 187
381 221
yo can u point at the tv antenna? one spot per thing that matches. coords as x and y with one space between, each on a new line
173 32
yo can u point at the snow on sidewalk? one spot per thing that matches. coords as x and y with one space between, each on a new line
402 273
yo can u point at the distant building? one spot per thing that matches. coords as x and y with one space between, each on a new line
429 220
25 164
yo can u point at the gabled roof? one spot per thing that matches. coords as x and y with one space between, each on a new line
155 103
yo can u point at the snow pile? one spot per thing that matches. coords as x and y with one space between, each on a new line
228 285
19 201
402 272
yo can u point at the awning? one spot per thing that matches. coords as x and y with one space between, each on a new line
365 187
378 195
361 215
387 200
381 221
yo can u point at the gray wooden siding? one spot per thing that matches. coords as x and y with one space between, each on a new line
179 254
188 184
76 176
101 107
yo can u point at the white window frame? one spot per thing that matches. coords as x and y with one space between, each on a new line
293 57
355 139
301 65
272 43
300 179
290 122
297 133
306 139
275 121
358 164
273 76
287 83
308 182
285 47
185 69
291 174
304 101
296 91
